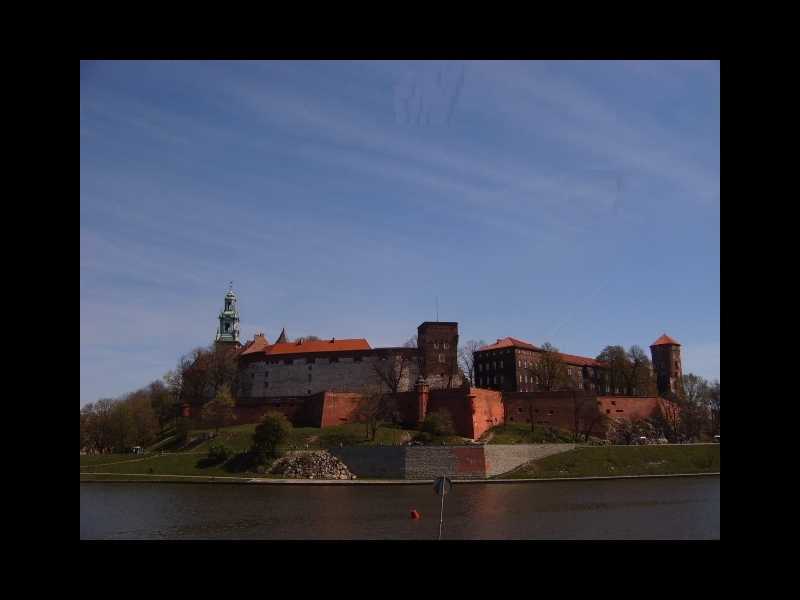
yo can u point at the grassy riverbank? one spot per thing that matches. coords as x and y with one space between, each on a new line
604 461
192 460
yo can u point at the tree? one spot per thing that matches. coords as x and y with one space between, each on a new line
667 421
438 423
392 370
144 420
466 358
639 373
371 407
549 369
87 414
713 401
585 415
100 434
270 434
696 390
615 376
309 338
219 412
163 403
628 431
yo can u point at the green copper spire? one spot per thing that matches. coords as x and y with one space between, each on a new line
228 330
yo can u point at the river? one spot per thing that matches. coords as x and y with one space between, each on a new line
668 508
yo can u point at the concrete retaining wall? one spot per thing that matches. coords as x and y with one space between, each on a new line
429 462
502 458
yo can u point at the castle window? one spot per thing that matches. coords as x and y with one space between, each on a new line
288 361
310 361
436 345
501 380
444 345
308 392
309 377
310 367
441 358
266 384
501 364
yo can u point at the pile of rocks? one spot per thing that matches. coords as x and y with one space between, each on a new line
312 465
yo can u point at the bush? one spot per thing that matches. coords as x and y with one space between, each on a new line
182 430
438 423
270 434
219 452
424 437
345 438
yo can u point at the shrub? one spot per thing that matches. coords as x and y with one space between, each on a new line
424 437
439 423
219 452
345 438
270 434
182 430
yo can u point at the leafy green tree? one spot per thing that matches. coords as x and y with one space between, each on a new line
219 412
270 434
438 423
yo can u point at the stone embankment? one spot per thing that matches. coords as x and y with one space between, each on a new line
311 465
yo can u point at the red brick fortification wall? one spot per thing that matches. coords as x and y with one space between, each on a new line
628 407
408 404
296 409
457 403
557 409
474 410
339 408
487 410
553 409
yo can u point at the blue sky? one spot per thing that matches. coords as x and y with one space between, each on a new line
575 202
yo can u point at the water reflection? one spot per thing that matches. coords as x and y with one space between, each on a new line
676 508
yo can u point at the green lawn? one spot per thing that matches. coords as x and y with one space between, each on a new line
599 461
238 439
520 433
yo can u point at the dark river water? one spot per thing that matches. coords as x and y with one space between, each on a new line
670 508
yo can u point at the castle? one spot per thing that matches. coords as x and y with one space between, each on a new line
321 382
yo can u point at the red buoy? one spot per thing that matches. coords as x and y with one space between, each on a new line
415 514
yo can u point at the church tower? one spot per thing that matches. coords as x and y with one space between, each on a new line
228 330
666 355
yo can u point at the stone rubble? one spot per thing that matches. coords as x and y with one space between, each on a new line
312 465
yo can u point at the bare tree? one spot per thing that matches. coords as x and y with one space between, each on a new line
466 358
639 373
713 397
372 407
549 369
585 415
392 369
696 390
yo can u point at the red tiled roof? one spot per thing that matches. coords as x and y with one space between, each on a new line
256 345
665 340
571 359
509 342
581 361
318 346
